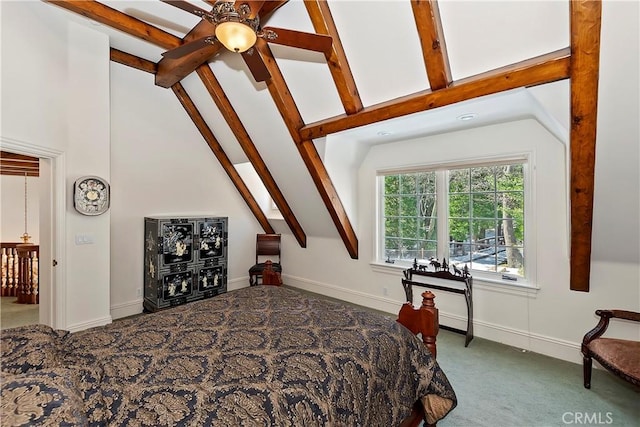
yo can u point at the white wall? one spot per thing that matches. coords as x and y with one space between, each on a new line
161 165
55 97
551 320
12 208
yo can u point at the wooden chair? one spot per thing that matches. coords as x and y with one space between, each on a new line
267 247
622 357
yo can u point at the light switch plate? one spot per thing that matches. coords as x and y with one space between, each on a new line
84 239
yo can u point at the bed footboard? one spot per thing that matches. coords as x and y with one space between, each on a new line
423 321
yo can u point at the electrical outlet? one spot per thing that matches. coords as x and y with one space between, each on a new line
385 292
139 292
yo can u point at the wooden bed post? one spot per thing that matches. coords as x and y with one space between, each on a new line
422 320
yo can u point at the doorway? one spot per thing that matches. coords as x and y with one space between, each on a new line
20 198
52 307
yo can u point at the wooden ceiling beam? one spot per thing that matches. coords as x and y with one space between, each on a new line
434 50
585 66
269 7
222 157
323 23
293 120
235 124
535 71
132 61
115 19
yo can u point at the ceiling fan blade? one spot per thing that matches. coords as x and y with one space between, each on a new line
186 6
309 41
256 65
187 48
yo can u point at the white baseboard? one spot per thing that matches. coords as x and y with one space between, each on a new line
549 346
86 325
235 284
127 309
387 305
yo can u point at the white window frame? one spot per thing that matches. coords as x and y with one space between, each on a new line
528 160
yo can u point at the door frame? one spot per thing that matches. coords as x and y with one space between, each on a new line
52 286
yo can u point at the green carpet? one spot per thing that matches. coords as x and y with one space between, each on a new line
502 386
13 314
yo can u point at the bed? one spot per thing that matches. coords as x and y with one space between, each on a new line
258 356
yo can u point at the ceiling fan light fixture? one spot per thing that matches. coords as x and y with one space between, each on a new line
236 36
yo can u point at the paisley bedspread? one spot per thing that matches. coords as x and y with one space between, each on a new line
259 356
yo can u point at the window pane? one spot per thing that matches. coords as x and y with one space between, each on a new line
459 230
391 184
510 201
509 177
408 184
408 205
511 260
409 227
511 232
406 249
426 182
391 227
459 181
428 228
483 258
459 205
427 205
483 205
483 179
460 254
484 232
391 205
391 248
426 249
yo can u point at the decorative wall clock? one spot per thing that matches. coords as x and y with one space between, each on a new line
91 195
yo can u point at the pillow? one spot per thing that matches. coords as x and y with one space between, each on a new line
29 348
43 397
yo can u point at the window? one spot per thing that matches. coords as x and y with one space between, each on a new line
472 215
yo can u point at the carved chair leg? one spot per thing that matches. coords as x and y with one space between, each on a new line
587 371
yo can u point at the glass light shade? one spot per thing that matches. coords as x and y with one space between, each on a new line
235 36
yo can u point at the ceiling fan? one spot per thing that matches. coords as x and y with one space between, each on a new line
237 27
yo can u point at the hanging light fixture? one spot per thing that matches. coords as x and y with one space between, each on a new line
25 237
236 36
235 29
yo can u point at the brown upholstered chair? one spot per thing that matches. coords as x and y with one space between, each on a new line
267 248
622 357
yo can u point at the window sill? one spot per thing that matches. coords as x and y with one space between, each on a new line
483 283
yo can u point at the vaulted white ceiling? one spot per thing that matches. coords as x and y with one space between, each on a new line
382 45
